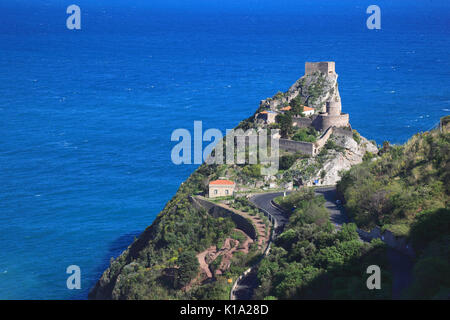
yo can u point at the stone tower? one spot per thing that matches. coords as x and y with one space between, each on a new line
325 67
331 115
334 108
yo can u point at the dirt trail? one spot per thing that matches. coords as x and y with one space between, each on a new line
201 260
229 247
260 226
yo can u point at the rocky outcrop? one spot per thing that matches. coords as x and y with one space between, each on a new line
325 168
313 90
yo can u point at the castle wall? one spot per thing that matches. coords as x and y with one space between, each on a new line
324 121
267 117
323 139
323 67
301 122
297 146
343 132
309 148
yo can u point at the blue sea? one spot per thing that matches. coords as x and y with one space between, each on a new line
86 115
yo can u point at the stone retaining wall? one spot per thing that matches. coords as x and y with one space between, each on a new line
216 210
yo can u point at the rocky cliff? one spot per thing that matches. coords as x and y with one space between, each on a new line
312 90
340 153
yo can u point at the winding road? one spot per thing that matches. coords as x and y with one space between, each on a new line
264 202
400 263
246 285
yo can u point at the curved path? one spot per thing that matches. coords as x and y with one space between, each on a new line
337 212
264 202
245 286
400 263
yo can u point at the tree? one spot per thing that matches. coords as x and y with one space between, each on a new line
285 121
296 106
188 268
287 161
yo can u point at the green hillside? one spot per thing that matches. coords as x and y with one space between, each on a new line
405 189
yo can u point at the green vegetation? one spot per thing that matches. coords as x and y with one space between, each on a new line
252 170
402 182
406 190
244 205
285 121
356 136
287 160
297 105
163 259
238 236
310 261
188 268
431 273
305 134
316 89
368 156
278 95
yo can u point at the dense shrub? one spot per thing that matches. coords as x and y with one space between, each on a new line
305 134
406 190
402 182
310 261
287 161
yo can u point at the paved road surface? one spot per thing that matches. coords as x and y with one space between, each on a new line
337 212
246 286
264 202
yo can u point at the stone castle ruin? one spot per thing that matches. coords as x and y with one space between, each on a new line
328 115
332 115
325 67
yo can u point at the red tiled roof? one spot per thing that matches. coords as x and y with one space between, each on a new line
222 182
305 108
286 108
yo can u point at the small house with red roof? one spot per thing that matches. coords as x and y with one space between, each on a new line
307 111
221 188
